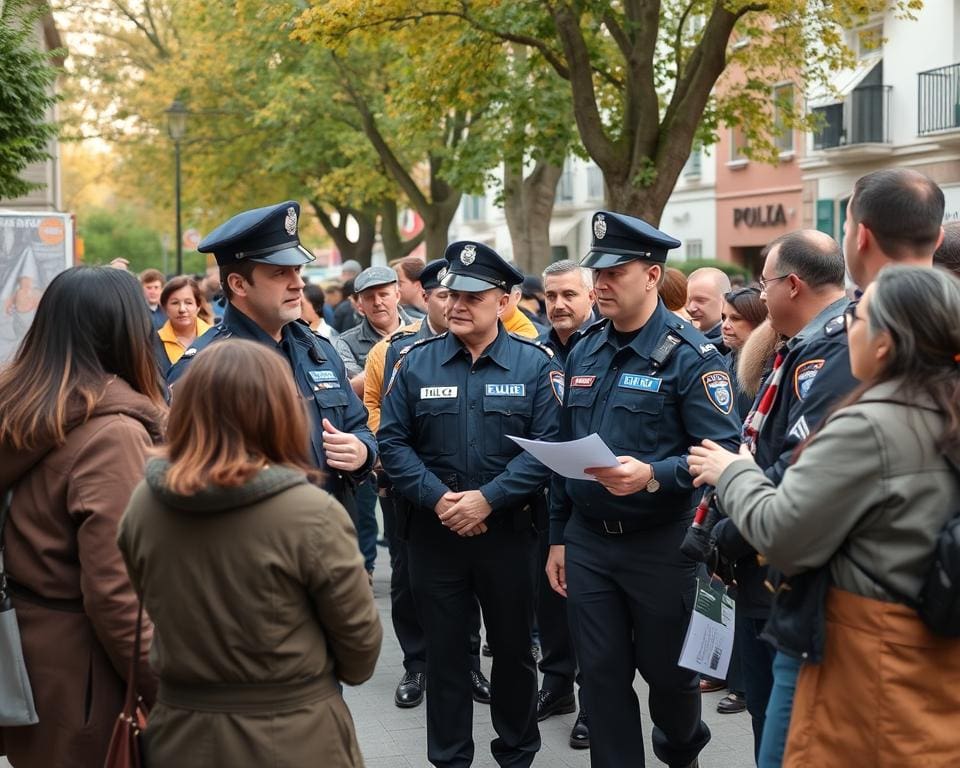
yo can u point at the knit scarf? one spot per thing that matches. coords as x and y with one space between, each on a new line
764 402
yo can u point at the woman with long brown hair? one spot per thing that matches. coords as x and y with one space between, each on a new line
80 406
865 501
252 574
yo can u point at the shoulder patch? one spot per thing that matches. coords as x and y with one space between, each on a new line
534 343
556 384
803 376
719 390
835 326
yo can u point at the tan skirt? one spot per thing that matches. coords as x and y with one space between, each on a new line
886 694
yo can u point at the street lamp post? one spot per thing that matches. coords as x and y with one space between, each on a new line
177 128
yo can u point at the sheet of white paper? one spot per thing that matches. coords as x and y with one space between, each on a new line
571 458
708 646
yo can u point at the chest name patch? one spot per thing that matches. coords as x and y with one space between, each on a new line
437 393
506 390
582 381
803 377
638 382
318 376
719 390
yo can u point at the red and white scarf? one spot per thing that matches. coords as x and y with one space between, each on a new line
764 402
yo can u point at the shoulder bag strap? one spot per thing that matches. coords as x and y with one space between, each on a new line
130 702
4 510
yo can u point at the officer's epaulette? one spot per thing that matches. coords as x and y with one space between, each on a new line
534 343
421 342
693 337
835 326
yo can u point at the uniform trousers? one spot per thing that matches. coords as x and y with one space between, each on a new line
448 574
558 662
629 602
403 612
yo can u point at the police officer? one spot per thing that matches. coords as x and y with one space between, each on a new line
406 623
447 412
260 259
651 386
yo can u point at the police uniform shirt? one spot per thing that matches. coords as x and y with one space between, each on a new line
317 370
446 419
549 338
651 415
816 374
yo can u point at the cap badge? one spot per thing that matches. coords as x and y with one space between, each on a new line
600 227
290 222
441 274
468 255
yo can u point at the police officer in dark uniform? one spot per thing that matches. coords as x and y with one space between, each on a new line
651 386
406 623
446 415
260 259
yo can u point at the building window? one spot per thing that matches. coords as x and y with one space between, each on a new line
738 143
694 163
782 106
868 41
594 182
474 207
825 217
694 250
565 189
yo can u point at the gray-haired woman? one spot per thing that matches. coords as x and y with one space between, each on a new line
867 497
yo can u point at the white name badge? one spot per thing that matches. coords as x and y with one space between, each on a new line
436 393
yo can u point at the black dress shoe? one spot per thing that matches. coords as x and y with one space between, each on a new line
409 690
580 735
550 703
731 704
480 687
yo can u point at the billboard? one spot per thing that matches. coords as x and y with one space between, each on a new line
34 248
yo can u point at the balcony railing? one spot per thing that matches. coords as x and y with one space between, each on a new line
862 118
938 93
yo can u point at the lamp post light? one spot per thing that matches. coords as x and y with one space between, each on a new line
177 128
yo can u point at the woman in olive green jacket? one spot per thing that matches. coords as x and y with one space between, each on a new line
252 575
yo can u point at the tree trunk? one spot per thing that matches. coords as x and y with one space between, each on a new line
528 206
394 246
362 249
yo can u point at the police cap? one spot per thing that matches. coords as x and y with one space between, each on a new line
618 238
474 267
374 277
264 235
430 275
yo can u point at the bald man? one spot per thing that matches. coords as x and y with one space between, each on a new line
705 291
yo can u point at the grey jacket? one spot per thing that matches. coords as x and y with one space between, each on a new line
871 483
355 343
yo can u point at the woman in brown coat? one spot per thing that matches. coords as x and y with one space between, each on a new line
79 407
252 575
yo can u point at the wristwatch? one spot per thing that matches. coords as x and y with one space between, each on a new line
653 485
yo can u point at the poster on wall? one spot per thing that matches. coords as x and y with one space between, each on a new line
34 248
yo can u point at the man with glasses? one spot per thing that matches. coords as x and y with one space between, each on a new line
802 285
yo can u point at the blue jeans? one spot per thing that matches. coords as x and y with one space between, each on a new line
777 724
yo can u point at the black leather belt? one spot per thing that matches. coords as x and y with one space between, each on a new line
612 527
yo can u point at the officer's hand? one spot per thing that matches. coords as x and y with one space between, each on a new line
343 450
446 503
630 477
556 569
472 508
707 462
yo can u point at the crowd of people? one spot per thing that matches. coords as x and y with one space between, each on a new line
213 451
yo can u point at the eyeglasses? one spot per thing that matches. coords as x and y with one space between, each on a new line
764 282
850 314
732 296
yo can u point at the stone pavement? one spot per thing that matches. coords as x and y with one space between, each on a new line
396 738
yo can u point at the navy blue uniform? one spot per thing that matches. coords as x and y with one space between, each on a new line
444 427
321 379
630 591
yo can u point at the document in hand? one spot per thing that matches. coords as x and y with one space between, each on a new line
571 458
708 646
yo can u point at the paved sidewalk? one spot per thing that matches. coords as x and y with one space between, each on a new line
396 738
